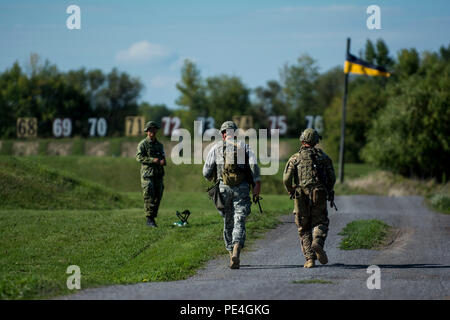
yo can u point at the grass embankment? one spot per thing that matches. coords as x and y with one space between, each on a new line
37 246
26 184
364 234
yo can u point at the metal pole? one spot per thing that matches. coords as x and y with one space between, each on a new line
344 105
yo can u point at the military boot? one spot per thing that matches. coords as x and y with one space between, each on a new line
320 253
151 222
235 256
309 264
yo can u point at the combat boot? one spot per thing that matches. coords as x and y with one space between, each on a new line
320 253
235 257
309 264
151 222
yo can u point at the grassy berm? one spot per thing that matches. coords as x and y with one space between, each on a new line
53 218
28 184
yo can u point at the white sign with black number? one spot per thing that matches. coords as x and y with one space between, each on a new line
98 127
62 127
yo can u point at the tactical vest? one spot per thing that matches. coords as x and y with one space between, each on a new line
233 172
154 150
308 178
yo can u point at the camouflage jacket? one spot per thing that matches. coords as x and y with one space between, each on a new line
214 163
147 151
301 171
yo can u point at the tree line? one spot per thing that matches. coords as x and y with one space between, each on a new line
399 123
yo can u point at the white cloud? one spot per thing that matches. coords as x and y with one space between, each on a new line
142 52
163 81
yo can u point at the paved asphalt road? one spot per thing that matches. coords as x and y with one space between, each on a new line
415 266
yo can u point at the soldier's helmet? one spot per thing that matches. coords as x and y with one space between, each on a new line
150 124
310 136
228 125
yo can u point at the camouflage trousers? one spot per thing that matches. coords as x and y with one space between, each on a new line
152 190
237 204
311 218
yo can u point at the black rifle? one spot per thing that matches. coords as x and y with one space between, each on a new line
256 200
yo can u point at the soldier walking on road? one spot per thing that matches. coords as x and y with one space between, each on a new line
312 172
235 174
150 153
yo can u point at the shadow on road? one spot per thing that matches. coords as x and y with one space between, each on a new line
388 266
349 266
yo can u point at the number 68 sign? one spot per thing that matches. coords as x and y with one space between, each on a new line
27 127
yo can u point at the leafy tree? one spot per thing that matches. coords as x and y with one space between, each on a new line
192 94
407 63
154 112
411 136
227 97
300 91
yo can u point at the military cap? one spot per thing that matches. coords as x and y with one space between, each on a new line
228 125
150 124
310 136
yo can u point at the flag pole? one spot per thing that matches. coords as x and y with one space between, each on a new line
344 105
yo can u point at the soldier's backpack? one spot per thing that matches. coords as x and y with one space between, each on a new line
309 163
234 170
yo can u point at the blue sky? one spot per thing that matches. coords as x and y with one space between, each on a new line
249 39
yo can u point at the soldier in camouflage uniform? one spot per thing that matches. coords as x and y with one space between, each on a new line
234 186
309 178
150 153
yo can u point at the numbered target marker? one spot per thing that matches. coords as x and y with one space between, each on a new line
278 122
134 126
315 122
170 124
207 123
27 127
243 122
98 127
62 127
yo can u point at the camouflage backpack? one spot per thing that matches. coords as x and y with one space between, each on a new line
233 172
306 171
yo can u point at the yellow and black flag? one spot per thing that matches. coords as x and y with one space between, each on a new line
358 66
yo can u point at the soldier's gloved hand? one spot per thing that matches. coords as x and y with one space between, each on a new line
162 162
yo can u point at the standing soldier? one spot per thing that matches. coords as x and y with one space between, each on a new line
234 165
313 174
150 153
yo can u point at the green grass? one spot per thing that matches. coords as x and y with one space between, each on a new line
312 281
439 202
37 246
27 184
364 234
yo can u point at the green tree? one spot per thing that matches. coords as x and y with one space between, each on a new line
411 135
154 112
300 91
192 95
227 97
